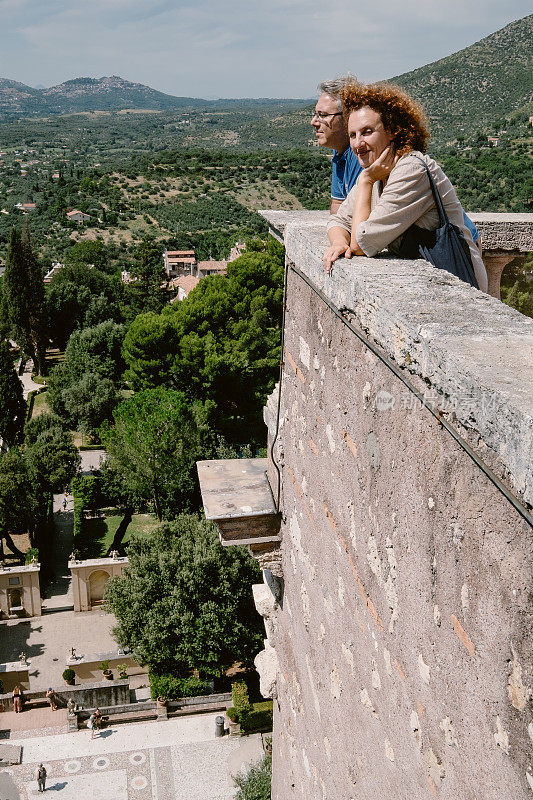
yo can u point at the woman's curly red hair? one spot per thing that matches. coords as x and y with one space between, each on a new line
402 116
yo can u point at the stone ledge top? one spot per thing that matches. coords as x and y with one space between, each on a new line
476 352
94 658
97 562
16 570
511 232
235 488
14 666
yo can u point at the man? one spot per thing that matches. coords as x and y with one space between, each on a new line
330 131
41 778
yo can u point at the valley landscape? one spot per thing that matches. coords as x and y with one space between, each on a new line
142 314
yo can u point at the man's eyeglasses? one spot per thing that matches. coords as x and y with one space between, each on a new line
321 116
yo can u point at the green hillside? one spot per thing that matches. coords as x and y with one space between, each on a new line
471 89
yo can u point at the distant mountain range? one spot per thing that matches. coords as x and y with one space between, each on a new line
88 94
489 79
107 94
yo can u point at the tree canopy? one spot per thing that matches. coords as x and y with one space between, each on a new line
229 332
149 350
51 457
157 437
12 404
220 345
186 603
23 307
18 503
83 387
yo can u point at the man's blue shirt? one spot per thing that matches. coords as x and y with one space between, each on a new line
471 227
344 173
345 169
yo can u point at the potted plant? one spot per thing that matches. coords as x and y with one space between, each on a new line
122 671
69 676
108 673
234 721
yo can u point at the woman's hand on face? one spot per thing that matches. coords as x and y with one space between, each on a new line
334 252
382 167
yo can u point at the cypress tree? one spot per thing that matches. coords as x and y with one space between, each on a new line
23 301
12 405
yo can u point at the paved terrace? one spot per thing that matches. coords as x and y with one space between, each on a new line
177 759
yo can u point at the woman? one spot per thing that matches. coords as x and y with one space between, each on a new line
388 134
17 699
50 696
92 724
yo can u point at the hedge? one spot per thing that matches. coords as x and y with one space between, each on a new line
172 687
241 700
79 507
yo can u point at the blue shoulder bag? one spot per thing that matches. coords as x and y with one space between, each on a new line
445 248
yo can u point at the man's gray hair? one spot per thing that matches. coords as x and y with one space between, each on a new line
334 86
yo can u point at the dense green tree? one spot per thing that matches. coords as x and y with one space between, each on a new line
23 298
79 296
18 504
99 310
184 602
145 293
229 336
52 458
89 401
41 423
89 251
157 437
96 350
66 306
149 350
12 404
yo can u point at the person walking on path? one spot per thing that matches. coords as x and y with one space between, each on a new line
51 698
93 724
41 778
17 699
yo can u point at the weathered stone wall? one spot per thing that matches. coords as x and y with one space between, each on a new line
88 695
403 634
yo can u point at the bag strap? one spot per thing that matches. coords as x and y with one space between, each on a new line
443 217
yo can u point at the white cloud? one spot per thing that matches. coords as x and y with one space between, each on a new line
236 48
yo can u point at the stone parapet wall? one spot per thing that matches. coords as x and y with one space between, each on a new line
402 635
508 232
498 231
89 695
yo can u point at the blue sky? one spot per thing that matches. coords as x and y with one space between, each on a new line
237 48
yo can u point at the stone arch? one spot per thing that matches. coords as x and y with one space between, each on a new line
14 599
97 583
